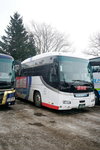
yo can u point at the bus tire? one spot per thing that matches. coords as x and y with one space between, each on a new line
37 99
96 97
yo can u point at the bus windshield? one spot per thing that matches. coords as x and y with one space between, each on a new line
6 70
73 69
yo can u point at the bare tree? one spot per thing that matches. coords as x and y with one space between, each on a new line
94 46
48 39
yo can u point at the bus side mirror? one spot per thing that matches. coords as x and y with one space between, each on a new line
17 68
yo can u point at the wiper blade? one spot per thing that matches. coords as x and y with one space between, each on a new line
64 83
4 82
83 81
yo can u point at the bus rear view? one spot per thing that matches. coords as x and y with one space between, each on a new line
57 81
7 80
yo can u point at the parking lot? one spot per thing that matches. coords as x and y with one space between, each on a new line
26 127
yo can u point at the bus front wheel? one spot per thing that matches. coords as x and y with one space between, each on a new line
37 99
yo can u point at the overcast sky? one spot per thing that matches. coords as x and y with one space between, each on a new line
78 18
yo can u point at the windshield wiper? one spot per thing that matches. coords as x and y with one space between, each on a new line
82 81
4 82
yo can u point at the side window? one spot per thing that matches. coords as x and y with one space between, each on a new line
25 72
53 76
45 73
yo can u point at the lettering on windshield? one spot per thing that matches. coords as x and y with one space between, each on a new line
81 87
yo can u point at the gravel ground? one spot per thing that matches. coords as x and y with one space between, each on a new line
26 127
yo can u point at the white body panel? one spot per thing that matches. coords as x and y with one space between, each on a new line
55 99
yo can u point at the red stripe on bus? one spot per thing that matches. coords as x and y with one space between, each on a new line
50 106
18 78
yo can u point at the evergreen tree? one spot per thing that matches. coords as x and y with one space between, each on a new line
1 51
17 43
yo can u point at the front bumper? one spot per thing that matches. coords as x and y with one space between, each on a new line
7 97
69 101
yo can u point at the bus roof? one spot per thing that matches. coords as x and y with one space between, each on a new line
95 59
5 56
48 54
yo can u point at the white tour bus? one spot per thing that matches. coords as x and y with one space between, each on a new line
57 81
95 63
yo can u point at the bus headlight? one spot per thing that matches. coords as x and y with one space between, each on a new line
66 102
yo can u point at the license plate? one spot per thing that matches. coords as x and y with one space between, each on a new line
81 106
11 99
81 95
